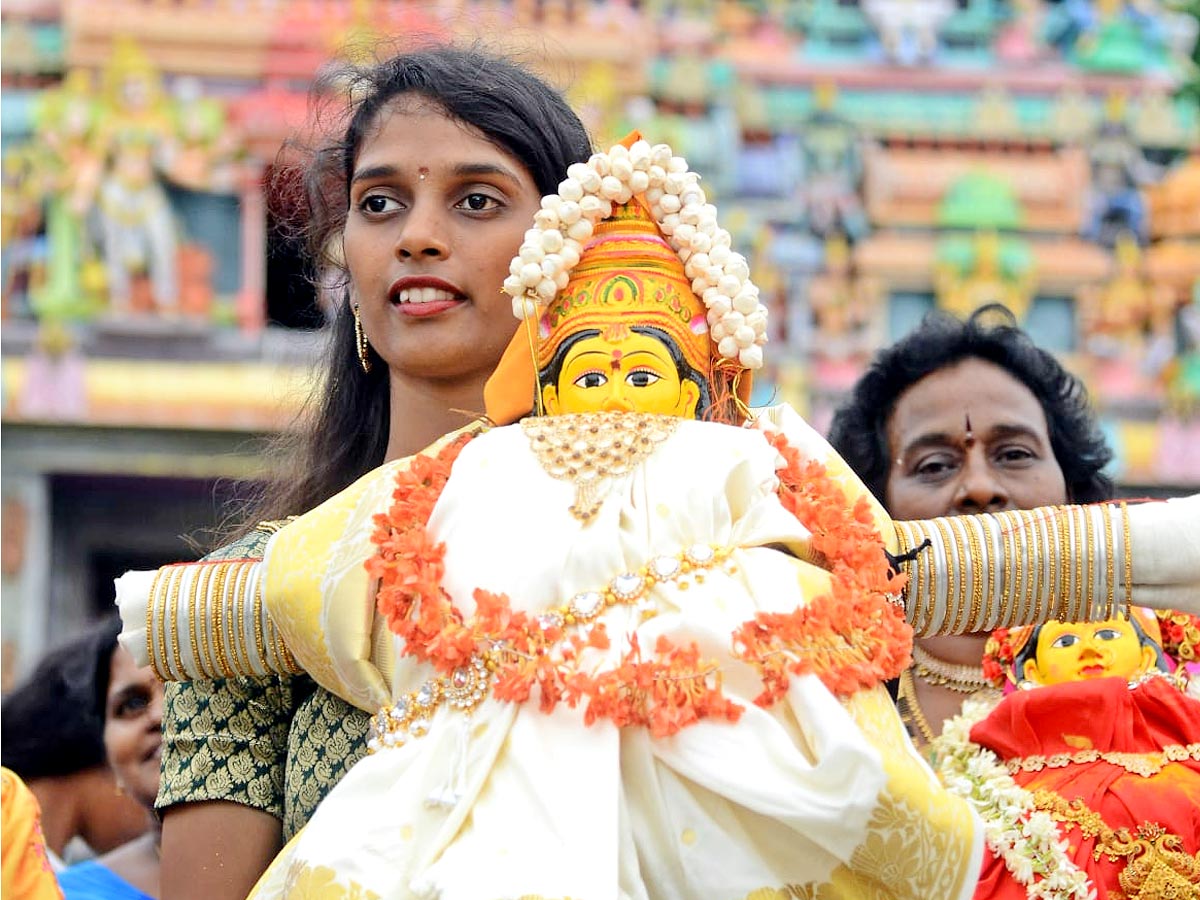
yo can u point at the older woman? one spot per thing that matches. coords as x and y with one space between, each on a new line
128 699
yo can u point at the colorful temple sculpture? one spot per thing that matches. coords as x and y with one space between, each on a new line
877 159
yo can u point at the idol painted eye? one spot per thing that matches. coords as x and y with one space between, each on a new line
1065 640
642 378
1108 634
591 380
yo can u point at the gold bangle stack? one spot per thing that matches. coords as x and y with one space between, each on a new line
214 610
1055 563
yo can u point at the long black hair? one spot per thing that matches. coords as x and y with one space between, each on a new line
345 428
52 724
859 428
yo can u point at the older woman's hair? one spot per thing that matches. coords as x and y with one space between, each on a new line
859 428
52 724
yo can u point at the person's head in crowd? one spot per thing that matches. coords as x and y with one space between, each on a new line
412 215
129 701
971 416
52 736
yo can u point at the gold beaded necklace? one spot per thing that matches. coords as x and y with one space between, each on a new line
910 709
954 676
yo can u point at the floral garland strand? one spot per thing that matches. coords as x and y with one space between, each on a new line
666 693
1024 837
855 636
852 637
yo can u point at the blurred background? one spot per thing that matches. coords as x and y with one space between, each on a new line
875 159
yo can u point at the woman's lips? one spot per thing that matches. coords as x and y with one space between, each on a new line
417 299
421 295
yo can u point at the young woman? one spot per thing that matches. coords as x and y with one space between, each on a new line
128 699
426 196
963 417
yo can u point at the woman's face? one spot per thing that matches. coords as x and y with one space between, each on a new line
132 727
436 214
636 373
970 438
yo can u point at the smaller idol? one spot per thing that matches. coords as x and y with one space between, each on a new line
1090 764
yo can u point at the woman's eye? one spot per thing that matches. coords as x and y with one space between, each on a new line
1065 640
642 378
590 380
131 705
479 202
377 204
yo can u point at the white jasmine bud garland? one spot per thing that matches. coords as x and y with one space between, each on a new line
678 204
1025 838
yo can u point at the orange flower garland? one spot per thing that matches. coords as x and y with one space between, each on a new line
852 637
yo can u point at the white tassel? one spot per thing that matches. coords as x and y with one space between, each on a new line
451 792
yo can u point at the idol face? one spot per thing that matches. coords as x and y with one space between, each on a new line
634 373
1079 651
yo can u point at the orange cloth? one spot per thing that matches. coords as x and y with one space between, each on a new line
25 871
1107 716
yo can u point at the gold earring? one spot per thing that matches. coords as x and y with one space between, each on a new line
360 341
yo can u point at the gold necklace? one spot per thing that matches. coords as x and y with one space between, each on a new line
910 709
954 676
590 449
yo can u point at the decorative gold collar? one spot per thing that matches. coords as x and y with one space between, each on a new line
590 449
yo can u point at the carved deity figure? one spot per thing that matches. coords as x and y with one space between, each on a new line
1129 313
111 152
828 197
845 305
987 278
1118 170
908 29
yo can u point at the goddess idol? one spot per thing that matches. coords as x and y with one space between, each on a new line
1098 747
630 639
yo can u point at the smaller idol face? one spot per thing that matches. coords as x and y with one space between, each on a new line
1079 651
634 374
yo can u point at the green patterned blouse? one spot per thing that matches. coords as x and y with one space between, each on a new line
278 744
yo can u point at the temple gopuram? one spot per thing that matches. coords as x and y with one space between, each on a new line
875 160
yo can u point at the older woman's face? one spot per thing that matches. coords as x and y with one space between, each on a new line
132 727
970 438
